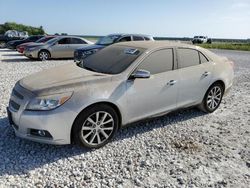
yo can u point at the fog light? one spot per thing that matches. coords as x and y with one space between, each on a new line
40 133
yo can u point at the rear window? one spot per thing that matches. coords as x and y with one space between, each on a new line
112 60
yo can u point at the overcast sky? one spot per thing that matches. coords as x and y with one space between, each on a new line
179 18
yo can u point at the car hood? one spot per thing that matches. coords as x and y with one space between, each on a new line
26 44
63 78
34 44
90 47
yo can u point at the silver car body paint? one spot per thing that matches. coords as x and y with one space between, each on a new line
136 99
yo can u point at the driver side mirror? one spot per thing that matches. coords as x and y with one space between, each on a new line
140 74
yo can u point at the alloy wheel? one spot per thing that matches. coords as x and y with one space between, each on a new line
43 56
214 97
97 128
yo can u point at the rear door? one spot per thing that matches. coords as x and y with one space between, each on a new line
61 48
195 76
157 94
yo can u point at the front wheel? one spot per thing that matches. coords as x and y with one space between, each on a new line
95 126
43 55
212 98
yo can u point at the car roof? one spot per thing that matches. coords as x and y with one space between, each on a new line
129 34
155 44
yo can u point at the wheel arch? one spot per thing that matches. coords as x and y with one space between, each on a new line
114 106
43 50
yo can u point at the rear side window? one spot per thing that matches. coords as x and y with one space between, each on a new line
77 41
203 59
188 57
137 38
158 62
146 38
64 41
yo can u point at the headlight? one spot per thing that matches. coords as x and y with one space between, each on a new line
48 102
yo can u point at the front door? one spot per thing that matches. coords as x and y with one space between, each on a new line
155 95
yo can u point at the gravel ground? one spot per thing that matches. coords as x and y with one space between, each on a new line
183 149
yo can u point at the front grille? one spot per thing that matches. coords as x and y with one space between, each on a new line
14 105
18 95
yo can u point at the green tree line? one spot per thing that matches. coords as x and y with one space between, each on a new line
20 27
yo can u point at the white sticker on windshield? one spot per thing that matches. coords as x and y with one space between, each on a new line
131 51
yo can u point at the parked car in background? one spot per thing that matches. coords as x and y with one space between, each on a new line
13 44
120 84
59 47
11 35
201 40
81 53
20 48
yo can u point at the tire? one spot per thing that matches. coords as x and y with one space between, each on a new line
2 44
43 55
88 129
212 98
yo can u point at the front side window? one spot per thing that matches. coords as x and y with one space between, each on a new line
158 62
64 41
188 57
112 59
125 39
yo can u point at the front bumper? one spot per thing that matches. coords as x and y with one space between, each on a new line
57 122
78 56
31 54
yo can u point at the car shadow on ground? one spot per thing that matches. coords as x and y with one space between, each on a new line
12 55
17 60
6 50
19 156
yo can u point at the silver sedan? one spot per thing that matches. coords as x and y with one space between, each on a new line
123 83
59 47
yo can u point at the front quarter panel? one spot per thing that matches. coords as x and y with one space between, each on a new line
111 92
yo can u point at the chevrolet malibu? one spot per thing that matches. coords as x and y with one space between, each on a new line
59 47
123 83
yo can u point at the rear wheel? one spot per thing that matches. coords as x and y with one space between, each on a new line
212 98
95 126
43 55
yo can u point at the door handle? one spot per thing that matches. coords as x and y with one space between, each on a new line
172 82
206 74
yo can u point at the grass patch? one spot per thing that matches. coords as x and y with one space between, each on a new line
228 46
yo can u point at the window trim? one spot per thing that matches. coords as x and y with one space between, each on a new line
203 55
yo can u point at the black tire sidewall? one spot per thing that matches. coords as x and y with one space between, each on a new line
77 126
206 95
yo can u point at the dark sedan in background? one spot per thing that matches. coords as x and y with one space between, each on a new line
13 44
20 48
83 52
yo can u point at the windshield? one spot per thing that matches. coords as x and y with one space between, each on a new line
112 60
51 41
107 40
44 39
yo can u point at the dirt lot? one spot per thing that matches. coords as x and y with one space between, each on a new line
183 149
